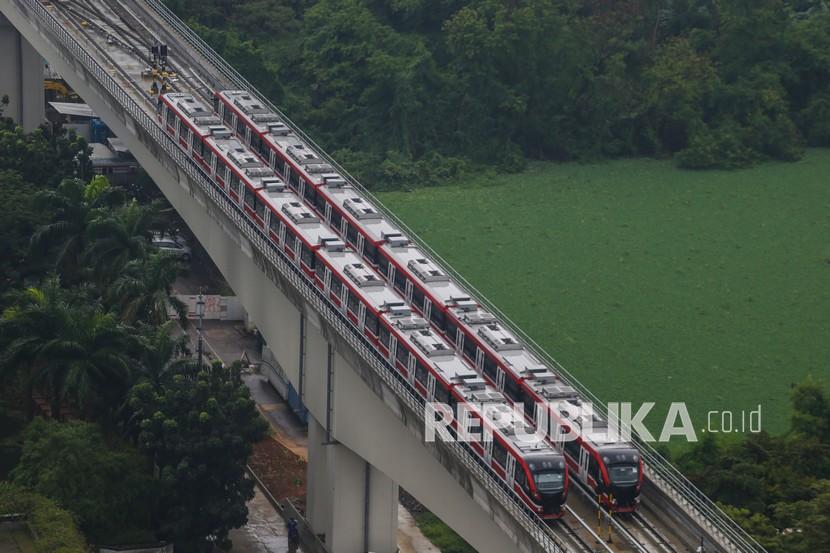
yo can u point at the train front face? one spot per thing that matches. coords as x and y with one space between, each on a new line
550 480
625 475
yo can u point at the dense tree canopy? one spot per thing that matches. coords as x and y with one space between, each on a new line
403 90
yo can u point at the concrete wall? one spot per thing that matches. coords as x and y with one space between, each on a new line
21 78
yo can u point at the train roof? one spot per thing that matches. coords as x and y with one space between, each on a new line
246 162
200 116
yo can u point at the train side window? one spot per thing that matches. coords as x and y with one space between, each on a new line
216 104
370 252
572 449
274 223
351 234
490 367
593 468
437 317
335 220
209 158
310 192
384 336
371 322
171 117
184 133
400 281
521 477
227 117
320 269
250 199
307 256
499 453
469 347
451 330
195 142
383 264
418 298
336 286
280 163
442 395
401 354
421 373
511 389
263 150
353 303
289 239
255 141
320 203
240 127
260 209
294 180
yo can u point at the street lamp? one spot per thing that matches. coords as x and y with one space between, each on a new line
200 312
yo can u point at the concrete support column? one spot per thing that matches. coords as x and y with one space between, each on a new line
21 78
349 501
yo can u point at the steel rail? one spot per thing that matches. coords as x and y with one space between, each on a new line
277 260
662 473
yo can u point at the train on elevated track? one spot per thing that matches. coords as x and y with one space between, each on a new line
439 338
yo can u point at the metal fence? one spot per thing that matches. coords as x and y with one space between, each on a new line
662 473
72 50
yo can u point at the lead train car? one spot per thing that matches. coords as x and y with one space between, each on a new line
598 462
537 473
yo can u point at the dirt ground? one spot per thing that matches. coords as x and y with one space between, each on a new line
282 472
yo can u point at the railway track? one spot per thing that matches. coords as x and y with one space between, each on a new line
130 33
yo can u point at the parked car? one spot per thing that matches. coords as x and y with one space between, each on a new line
174 246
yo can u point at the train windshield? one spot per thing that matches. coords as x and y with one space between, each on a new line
549 480
623 474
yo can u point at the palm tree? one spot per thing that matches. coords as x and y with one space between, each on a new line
162 353
144 289
67 348
118 236
73 204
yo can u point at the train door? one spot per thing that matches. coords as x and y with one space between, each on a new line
479 359
557 434
361 316
499 379
390 273
359 246
327 280
343 225
301 188
430 387
297 247
510 468
344 296
409 293
286 173
459 339
410 369
427 308
488 448
393 347
282 233
328 213
584 457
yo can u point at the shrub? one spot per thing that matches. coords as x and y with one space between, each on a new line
56 531
722 147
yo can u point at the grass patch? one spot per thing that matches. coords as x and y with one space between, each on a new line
441 535
651 283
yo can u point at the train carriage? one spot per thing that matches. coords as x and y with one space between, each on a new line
537 473
474 332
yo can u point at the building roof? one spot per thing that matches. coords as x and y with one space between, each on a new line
73 109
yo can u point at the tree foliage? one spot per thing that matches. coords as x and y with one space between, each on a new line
198 429
54 527
716 84
109 487
778 488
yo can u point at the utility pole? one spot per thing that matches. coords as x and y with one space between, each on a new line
200 312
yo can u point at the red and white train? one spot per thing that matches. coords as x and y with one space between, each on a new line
537 473
612 469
